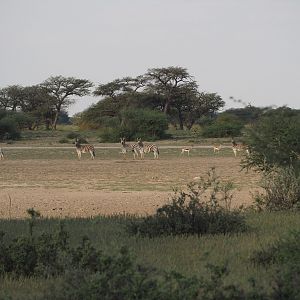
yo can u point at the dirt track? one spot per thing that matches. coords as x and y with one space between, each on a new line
67 187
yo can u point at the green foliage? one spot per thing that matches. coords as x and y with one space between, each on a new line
63 141
285 255
281 190
204 209
274 141
121 278
72 135
225 125
137 123
9 129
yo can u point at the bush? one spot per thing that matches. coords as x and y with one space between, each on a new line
225 125
204 209
274 142
63 141
111 135
285 255
72 135
8 129
123 279
281 191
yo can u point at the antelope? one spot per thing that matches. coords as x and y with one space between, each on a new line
1 154
239 147
84 149
186 149
217 148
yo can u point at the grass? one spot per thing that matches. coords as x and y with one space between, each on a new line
187 255
101 153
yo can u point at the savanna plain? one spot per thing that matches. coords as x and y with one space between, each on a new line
93 197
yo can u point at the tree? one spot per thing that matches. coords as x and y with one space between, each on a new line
62 88
11 97
202 105
167 82
37 103
119 87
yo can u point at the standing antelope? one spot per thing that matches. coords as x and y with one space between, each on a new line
137 148
186 149
152 148
84 149
1 154
239 147
217 148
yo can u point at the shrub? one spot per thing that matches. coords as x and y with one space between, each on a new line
204 209
281 190
225 125
274 142
285 255
124 279
111 135
8 129
63 141
72 135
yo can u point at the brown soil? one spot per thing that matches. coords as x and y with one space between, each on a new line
60 188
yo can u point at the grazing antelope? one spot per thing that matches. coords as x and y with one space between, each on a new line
217 148
1 154
152 148
186 149
136 149
239 147
84 149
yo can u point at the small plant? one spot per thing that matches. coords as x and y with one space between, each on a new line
203 209
34 214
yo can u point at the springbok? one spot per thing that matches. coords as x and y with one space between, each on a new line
186 149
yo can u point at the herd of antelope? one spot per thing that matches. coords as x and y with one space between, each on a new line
139 149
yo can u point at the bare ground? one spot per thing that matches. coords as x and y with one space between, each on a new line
67 187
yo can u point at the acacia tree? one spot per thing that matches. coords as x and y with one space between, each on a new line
167 82
11 97
202 104
39 104
62 89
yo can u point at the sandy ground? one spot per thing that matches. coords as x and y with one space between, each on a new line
64 187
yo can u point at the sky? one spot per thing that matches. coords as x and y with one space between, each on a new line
245 49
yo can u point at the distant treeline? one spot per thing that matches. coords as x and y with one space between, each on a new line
143 106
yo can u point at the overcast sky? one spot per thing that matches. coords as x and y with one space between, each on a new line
246 49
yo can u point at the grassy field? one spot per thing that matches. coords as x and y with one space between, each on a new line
53 181
187 255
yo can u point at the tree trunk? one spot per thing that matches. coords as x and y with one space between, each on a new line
180 117
167 106
55 119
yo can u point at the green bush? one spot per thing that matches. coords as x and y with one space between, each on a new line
72 135
63 141
284 254
9 129
225 125
204 209
281 190
111 135
274 141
